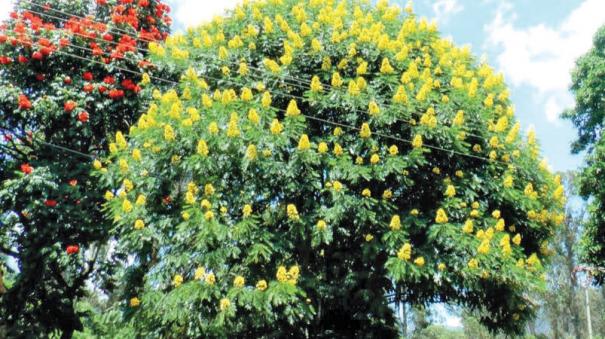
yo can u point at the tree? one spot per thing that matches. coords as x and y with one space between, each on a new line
316 157
588 85
588 117
68 79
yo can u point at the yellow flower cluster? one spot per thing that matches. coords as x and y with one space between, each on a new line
290 276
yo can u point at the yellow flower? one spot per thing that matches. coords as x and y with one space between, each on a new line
239 281
177 280
253 116
205 204
374 159
128 185
209 215
276 127
365 131
303 143
282 274
108 195
97 165
473 264
400 96
414 212
338 132
395 223
224 304
373 108
337 185
232 128
292 109
338 150
271 65
369 237
210 279
316 86
261 285
450 191
123 164
321 225
121 141
186 216
405 252
354 88
139 224
336 80
441 267
136 154
266 100
322 148
168 133
366 193
458 119
385 67
134 302
200 272
387 194
202 148
419 261
393 150
517 239
484 247
417 142
441 217
243 69
468 226
246 94
251 152
247 210
209 189
292 212
126 206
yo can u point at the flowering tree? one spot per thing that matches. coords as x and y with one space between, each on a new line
66 81
318 159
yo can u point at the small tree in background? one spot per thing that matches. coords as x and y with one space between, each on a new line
316 157
64 80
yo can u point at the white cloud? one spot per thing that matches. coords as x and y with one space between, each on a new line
194 12
542 57
5 8
444 9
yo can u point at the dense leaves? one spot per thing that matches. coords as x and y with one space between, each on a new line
316 157
65 79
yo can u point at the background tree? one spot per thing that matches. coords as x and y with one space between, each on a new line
66 81
588 116
315 157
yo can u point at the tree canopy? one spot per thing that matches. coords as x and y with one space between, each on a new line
67 80
316 159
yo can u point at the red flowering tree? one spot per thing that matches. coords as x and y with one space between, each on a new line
70 74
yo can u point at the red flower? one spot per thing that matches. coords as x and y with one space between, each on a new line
116 94
3 38
73 249
69 106
88 88
109 80
73 182
24 102
26 169
67 80
87 76
22 59
101 2
50 203
40 77
37 55
102 89
83 117
108 37
143 3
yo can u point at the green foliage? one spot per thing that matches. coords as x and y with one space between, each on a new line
588 78
407 171
62 82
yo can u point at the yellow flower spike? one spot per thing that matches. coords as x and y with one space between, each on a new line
366 193
374 159
369 237
338 151
209 215
387 194
134 302
393 150
261 285
473 264
365 131
292 109
276 127
458 119
239 281
126 206
141 200
385 67
266 100
224 304
121 141
441 216
322 148
202 148
405 252
97 165
169 133
450 191
316 46
373 108
321 225
139 224
500 225
362 69
177 280
251 152
336 80
292 212
303 143
517 239
419 261
246 94
316 86
108 196
395 224
210 279
441 267
417 142
272 66
468 226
